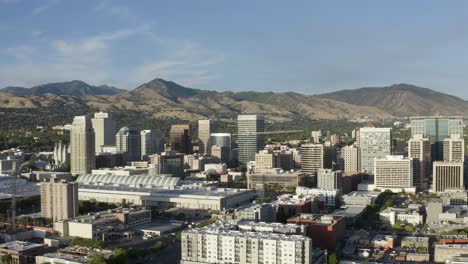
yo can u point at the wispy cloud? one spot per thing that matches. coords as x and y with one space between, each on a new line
44 7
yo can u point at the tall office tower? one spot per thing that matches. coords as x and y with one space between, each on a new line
82 149
329 179
61 153
250 138
447 176
128 140
151 143
316 136
312 158
454 148
329 156
59 199
419 149
181 138
374 143
393 172
437 128
350 158
205 129
104 130
357 137
223 141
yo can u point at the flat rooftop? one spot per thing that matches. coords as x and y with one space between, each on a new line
170 192
20 246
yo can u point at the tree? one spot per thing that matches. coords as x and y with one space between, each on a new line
97 259
158 246
333 259
409 228
6 259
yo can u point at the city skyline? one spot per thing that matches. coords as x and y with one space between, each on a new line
311 51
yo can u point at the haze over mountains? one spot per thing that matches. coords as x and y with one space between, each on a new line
165 99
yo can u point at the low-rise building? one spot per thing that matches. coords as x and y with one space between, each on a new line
418 244
384 241
326 231
256 212
446 253
21 252
275 177
391 215
325 197
223 242
103 225
71 255
360 198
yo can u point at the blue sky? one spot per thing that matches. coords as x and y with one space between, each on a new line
304 46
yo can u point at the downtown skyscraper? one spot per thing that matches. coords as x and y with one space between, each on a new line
374 143
205 128
437 128
250 129
82 148
104 130
128 140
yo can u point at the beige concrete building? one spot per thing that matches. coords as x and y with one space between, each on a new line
393 172
265 160
82 148
419 149
205 128
447 175
454 148
59 199
104 130
350 158
312 158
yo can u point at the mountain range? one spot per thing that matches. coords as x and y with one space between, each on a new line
166 99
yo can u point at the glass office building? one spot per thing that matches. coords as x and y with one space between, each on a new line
437 128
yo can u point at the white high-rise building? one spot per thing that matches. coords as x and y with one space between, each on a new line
82 149
250 137
454 148
104 130
419 149
312 158
329 179
393 172
374 143
246 242
447 176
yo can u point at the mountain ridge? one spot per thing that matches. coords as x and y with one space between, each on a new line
167 99
71 88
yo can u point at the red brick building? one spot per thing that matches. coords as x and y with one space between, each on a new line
326 231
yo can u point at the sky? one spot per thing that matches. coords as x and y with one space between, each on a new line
308 47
